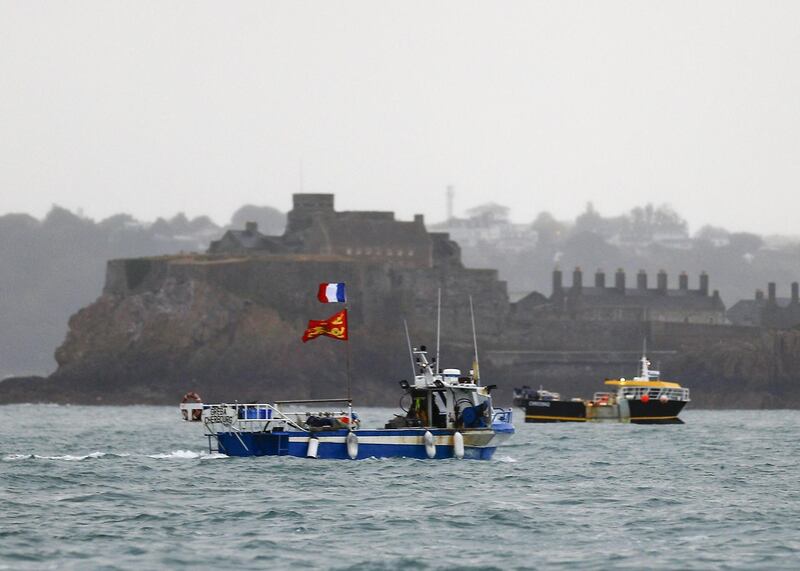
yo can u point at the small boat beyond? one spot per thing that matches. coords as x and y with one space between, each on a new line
525 393
644 399
447 415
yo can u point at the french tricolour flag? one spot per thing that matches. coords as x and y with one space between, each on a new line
331 293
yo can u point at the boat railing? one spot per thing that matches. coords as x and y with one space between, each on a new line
671 393
603 398
261 416
502 415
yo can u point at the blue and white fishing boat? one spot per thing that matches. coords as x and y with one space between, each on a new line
445 415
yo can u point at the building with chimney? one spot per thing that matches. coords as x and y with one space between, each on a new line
616 300
773 311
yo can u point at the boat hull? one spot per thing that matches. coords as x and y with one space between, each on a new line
656 412
378 443
555 411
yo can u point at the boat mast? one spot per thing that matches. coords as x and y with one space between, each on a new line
410 351
476 372
645 368
438 328
351 423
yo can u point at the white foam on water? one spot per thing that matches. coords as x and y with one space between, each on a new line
187 455
12 457
70 457
64 457
508 459
176 454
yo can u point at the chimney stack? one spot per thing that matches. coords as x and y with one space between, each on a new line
703 283
662 282
557 281
795 297
771 293
641 280
683 281
251 227
619 281
577 279
600 279
759 294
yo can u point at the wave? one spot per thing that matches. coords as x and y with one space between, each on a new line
65 457
187 455
176 454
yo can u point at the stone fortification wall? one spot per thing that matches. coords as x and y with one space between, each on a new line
378 293
573 334
689 336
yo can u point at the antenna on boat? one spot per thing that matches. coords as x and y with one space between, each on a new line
476 372
644 372
438 328
410 351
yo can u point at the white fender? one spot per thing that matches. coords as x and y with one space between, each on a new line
352 445
458 445
430 445
313 447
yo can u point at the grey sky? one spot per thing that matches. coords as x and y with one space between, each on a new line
158 107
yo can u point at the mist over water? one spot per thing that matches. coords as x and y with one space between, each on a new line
135 488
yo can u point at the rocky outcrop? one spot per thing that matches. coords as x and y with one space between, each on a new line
761 372
230 328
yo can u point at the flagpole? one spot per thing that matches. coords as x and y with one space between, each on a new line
347 353
347 367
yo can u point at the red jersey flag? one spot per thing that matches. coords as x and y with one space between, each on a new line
335 326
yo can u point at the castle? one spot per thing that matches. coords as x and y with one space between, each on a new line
315 227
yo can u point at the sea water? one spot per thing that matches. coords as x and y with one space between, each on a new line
135 488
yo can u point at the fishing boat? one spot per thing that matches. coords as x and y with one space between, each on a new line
525 393
447 415
644 399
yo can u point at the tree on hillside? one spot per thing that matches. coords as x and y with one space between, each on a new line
549 230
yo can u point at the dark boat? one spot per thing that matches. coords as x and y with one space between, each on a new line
644 399
524 393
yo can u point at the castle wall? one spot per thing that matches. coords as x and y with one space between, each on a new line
379 295
693 336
